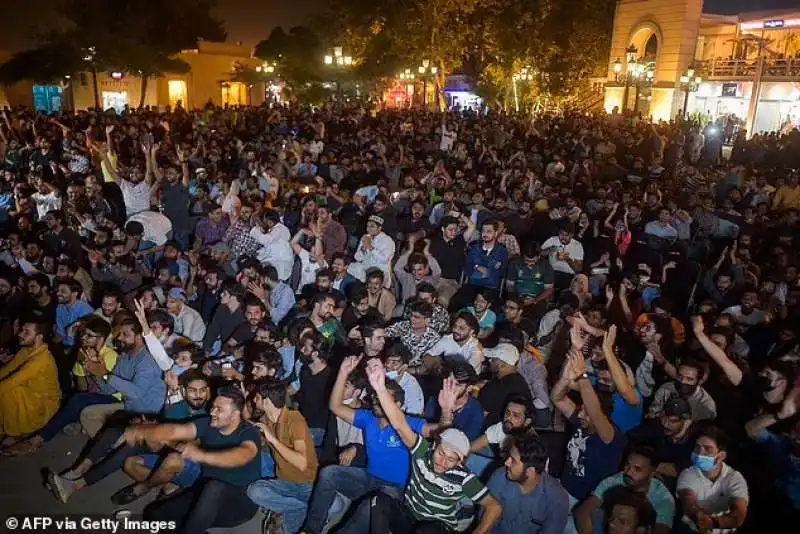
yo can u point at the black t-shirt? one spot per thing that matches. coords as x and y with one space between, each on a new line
494 394
314 394
212 440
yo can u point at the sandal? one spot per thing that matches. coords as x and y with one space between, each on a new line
21 448
126 496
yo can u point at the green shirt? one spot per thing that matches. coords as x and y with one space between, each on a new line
531 281
435 497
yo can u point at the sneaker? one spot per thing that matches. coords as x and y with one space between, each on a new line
265 522
61 487
73 429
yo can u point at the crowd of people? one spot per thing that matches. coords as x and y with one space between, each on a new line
405 321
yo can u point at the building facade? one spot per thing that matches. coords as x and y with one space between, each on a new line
668 58
210 79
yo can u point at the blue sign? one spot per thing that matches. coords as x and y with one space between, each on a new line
48 98
773 24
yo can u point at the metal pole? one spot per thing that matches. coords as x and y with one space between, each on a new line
685 101
756 94
625 94
425 92
636 102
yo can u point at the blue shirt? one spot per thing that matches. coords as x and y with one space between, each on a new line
183 412
138 377
66 316
543 511
658 495
589 460
282 299
625 416
387 456
468 419
494 262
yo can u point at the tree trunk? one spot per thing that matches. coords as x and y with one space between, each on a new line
96 89
143 94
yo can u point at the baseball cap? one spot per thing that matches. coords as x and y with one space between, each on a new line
505 352
176 293
677 406
376 219
455 441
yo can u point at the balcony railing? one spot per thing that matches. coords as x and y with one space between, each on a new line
746 68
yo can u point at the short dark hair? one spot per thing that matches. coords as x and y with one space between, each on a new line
398 350
234 289
468 318
73 285
270 272
375 273
234 394
716 434
98 325
133 324
532 451
274 391
521 400
694 363
193 375
425 287
644 451
319 298
369 327
422 308
162 318
623 496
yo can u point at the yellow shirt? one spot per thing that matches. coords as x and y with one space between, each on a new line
109 173
109 357
786 197
29 391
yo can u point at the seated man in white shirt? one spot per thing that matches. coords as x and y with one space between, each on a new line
376 249
713 495
566 256
188 321
462 341
396 364
275 249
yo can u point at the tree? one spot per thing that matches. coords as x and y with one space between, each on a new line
138 36
297 54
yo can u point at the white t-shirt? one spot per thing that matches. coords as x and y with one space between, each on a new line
714 498
156 226
308 271
573 248
46 203
448 140
495 434
470 351
135 195
415 401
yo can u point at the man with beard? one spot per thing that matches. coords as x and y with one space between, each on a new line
462 341
60 239
334 235
506 381
322 319
40 301
108 454
136 376
628 512
448 247
687 385
176 197
227 447
638 475
109 306
517 421
528 494
70 311
316 381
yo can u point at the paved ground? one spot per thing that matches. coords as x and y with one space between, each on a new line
22 488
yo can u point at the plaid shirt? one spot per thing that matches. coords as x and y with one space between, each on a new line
238 238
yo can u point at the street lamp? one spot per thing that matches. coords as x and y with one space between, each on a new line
689 84
425 70
339 60
632 67
524 75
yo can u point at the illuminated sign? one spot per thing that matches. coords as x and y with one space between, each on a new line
770 24
773 24
116 75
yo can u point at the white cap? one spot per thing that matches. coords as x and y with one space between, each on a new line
455 441
505 352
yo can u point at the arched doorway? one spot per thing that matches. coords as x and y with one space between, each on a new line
646 41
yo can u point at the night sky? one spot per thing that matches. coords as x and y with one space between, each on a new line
250 21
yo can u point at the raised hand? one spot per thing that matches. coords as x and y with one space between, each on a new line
609 293
609 338
349 364
698 326
448 394
376 374
576 337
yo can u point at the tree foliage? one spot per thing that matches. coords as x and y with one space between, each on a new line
139 36
296 54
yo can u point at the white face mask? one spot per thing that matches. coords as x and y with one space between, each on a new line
348 402
392 375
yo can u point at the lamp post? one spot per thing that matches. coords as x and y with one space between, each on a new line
524 75
425 70
407 78
689 84
630 56
267 69
340 61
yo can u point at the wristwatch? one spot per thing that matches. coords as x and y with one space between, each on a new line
584 375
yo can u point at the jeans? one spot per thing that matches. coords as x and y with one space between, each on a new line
267 465
351 482
106 460
282 496
71 412
209 503
390 514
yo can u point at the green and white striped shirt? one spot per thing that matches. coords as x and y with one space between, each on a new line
435 497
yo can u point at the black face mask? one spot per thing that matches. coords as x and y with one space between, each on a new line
684 390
